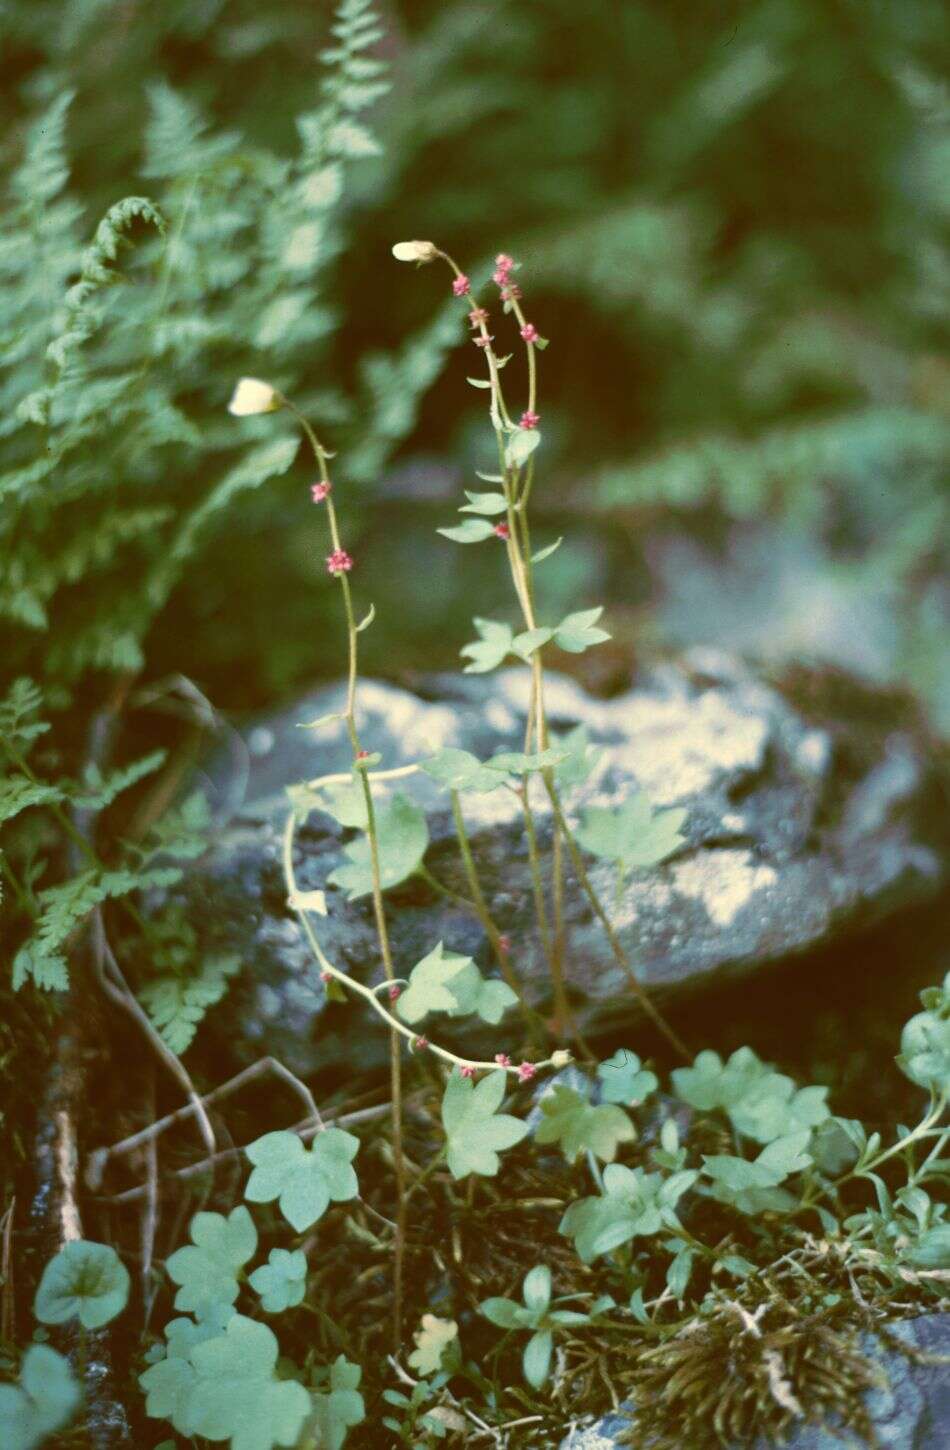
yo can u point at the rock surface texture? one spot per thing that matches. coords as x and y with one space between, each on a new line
802 826
911 1410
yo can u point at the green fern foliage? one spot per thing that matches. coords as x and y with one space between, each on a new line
117 462
177 1003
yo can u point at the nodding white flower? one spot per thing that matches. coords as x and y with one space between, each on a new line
415 251
561 1058
251 395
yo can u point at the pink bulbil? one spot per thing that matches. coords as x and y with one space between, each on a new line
461 285
319 491
339 562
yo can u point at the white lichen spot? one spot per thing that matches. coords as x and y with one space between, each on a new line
564 699
814 752
420 728
678 747
639 892
500 717
589 1439
723 881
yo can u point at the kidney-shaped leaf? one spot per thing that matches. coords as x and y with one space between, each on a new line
85 1281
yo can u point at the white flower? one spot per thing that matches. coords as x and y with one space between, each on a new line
561 1058
253 396
415 251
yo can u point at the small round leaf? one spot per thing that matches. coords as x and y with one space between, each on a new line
85 1281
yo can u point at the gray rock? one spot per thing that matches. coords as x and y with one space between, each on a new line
910 1411
799 831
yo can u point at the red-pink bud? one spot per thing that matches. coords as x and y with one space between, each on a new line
503 262
394 992
504 943
319 491
419 1044
502 531
467 1071
477 316
511 293
526 1071
529 418
483 341
326 976
339 562
461 285
529 332
362 755
502 1059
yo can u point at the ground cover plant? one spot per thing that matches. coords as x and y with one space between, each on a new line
348 1286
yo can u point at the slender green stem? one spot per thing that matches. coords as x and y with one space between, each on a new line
521 578
519 559
484 915
429 1169
372 833
463 901
923 1130
619 954
557 1059
537 882
18 889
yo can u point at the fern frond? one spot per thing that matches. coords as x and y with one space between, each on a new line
44 170
99 791
392 386
17 794
181 832
177 1004
22 701
98 272
266 461
786 463
176 143
64 908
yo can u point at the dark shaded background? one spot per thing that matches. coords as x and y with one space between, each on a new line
732 219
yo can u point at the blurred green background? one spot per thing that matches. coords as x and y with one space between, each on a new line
732 217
